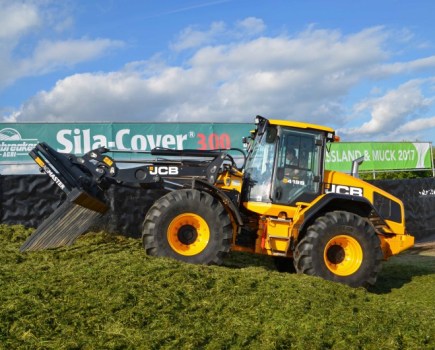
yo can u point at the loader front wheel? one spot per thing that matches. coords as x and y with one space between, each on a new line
188 225
341 247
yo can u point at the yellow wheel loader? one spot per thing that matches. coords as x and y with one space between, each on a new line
281 202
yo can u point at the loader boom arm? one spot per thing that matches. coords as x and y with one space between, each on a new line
97 169
85 178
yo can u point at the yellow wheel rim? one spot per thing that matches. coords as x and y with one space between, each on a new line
343 255
188 234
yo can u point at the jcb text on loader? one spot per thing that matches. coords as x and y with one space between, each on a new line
281 202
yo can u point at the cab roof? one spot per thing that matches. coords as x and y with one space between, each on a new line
300 125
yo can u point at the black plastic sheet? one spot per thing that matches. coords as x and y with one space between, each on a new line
418 196
29 199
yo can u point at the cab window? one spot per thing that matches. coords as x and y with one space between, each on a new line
297 167
259 167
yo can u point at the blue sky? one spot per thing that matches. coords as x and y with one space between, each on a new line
366 68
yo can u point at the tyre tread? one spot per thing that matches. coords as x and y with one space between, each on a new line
203 199
303 255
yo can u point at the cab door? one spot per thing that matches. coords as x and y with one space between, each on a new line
298 166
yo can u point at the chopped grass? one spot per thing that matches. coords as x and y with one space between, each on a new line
105 293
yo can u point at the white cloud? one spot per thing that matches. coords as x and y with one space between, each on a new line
251 26
416 125
306 76
23 54
190 38
394 113
17 19
48 55
420 64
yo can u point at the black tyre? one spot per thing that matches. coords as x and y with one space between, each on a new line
188 225
341 247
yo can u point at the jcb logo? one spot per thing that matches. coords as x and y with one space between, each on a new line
163 170
342 189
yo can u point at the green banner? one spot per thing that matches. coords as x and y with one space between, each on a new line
379 156
17 139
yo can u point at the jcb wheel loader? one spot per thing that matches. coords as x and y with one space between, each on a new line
280 202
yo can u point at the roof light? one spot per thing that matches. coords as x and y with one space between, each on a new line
257 120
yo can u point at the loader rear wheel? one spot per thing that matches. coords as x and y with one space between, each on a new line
341 247
188 225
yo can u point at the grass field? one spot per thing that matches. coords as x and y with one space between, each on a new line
105 293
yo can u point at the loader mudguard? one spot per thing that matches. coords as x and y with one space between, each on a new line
334 201
226 201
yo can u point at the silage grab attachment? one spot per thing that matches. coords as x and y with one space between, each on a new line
81 207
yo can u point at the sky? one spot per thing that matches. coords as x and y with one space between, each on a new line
365 68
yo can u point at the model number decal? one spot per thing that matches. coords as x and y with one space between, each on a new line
342 189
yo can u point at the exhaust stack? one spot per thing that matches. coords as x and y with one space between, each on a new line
355 166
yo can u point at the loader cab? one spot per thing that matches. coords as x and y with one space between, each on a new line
285 162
